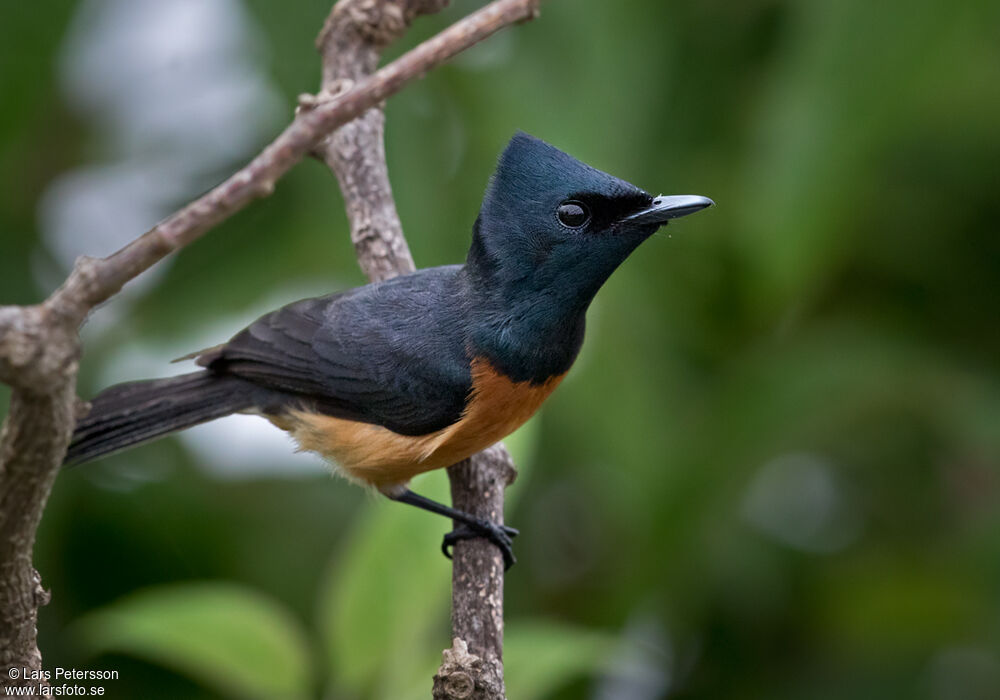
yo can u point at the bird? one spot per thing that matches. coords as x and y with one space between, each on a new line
420 371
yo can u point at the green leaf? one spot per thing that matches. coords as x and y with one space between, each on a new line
387 594
223 635
540 657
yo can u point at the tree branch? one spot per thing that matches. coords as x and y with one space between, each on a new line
351 42
94 281
477 487
39 345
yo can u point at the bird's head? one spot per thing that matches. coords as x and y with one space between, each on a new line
554 225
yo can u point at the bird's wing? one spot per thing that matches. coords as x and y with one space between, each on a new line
379 354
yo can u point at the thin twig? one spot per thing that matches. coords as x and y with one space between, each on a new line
94 281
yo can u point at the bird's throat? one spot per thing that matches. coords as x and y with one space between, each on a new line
531 341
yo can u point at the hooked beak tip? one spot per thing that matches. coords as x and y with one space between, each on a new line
665 208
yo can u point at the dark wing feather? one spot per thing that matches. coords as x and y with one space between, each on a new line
392 354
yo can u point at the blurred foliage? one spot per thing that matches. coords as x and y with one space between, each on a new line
230 637
775 470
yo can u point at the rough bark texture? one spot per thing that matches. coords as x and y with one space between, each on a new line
38 359
39 345
351 43
477 487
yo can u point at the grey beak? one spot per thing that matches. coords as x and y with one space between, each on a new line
664 208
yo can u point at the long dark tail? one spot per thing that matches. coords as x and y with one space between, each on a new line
129 414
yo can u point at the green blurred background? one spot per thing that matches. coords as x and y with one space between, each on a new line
773 472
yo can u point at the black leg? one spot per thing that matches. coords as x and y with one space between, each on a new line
470 526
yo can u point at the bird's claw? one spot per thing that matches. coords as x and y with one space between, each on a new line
500 535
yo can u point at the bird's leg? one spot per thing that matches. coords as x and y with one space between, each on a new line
470 526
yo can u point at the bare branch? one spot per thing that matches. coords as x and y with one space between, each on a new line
35 433
350 43
39 346
95 280
477 487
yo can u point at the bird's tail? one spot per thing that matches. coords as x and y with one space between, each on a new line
129 414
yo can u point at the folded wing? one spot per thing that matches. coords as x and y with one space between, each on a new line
391 354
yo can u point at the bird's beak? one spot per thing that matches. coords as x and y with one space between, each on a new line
663 209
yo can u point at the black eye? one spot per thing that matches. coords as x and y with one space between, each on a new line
573 214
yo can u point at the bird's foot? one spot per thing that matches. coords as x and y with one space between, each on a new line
500 535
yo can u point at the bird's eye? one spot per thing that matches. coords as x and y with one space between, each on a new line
573 214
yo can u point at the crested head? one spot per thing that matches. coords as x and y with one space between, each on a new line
530 169
550 231
547 216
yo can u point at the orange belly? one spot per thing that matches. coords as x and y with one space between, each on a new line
387 460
